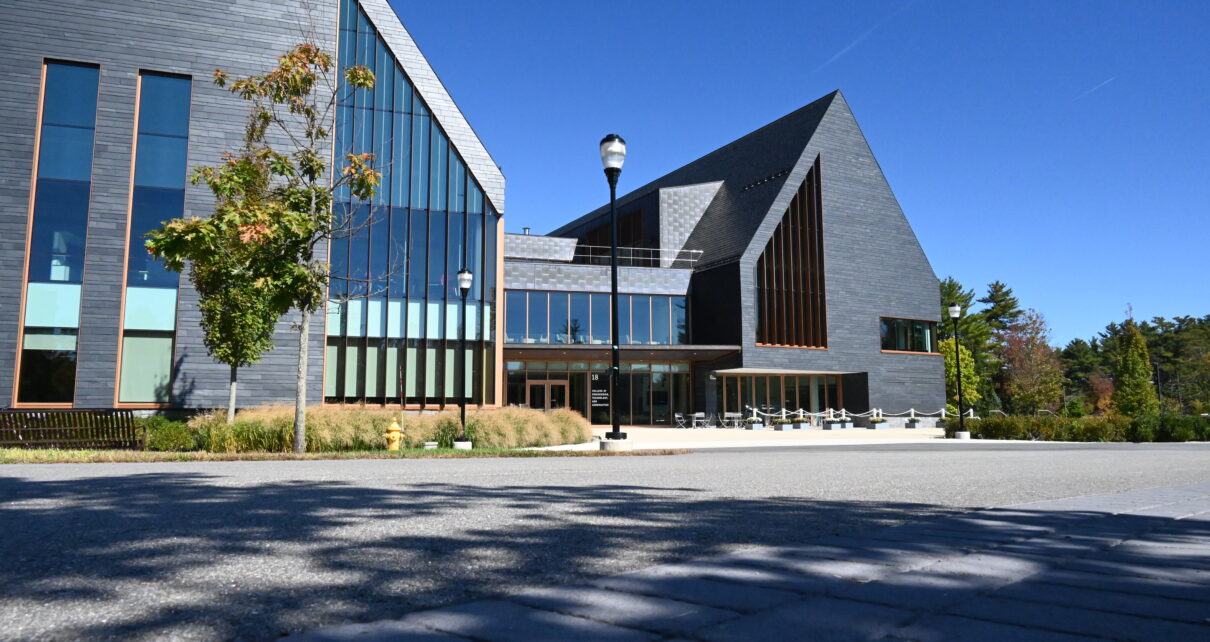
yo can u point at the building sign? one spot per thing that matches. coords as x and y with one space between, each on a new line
598 397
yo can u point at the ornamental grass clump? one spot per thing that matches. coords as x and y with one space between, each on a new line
335 429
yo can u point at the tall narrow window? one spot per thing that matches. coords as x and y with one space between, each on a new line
158 194
790 303
58 231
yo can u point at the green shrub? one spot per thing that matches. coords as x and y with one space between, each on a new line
1093 428
1144 429
334 428
1182 428
166 435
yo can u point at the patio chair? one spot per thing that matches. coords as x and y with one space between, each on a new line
680 420
699 420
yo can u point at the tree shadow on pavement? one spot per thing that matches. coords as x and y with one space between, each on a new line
186 555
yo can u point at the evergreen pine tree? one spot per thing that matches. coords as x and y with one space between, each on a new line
1003 309
1133 392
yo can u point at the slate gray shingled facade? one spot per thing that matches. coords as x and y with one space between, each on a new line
124 37
191 38
873 264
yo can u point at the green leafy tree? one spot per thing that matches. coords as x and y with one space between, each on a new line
976 335
295 102
232 259
1033 376
970 377
1134 395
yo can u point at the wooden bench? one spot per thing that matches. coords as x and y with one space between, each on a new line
71 428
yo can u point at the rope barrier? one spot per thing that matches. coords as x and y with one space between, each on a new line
845 415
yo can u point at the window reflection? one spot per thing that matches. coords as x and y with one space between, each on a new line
578 325
59 234
909 335
582 317
160 169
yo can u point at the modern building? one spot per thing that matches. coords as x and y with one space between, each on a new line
776 271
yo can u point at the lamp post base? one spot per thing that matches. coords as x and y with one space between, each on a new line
615 434
615 445
464 444
962 435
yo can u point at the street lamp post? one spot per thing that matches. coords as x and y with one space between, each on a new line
955 311
613 154
465 279
1159 385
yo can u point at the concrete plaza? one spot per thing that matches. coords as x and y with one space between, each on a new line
644 438
823 542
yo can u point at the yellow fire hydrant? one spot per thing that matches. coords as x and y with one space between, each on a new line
394 435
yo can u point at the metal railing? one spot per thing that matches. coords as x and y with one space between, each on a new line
636 256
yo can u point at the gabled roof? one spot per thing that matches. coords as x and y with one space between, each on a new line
753 170
478 161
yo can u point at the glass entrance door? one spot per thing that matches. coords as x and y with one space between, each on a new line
547 395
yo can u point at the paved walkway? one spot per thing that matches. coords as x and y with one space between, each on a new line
673 438
1129 566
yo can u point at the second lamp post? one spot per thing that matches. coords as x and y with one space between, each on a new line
465 279
613 154
955 311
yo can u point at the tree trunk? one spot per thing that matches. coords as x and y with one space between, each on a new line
231 395
300 386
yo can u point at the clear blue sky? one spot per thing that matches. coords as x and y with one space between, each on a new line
1062 147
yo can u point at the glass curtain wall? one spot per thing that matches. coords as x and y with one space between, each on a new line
651 393
771 393
394 311
158 194
583 318
47 372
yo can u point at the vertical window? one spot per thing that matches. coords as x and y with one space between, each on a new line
560 328
158 194
579 318
790 303
661 320
600 319
57 234
538 332
624 319
514 316
661 395
455 256
680 320
640 319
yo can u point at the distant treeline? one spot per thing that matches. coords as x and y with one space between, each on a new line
1132 368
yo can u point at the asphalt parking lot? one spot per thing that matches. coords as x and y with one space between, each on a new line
255 550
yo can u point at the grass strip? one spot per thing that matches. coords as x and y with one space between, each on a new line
55 456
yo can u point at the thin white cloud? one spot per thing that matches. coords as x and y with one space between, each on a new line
866 34
1089 91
